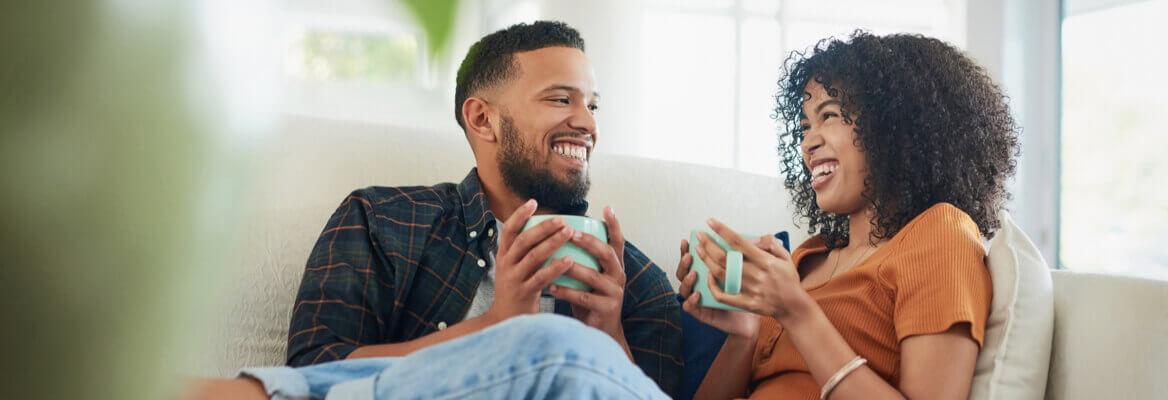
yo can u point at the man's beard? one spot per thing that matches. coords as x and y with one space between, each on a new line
529 177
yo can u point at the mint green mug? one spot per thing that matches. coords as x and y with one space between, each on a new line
586 225
733 283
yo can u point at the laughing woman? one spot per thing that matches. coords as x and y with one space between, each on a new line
897 153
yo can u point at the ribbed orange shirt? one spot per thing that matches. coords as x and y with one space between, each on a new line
928 277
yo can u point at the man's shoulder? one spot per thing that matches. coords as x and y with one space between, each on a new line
438 197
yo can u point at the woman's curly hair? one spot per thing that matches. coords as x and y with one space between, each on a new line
931 123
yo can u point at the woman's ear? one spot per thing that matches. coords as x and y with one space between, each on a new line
476 113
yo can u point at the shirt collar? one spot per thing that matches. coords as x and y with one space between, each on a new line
475 212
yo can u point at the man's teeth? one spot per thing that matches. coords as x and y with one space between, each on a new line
567 150
824 169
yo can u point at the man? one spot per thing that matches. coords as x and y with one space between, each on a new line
400 269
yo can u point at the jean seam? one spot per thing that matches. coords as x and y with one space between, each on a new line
534 369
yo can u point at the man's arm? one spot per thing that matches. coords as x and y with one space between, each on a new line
346 296
403 349
652 322
518 281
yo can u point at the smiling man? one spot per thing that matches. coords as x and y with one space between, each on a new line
402 269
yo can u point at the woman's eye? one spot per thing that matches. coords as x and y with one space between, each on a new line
593 107
804 128
829 115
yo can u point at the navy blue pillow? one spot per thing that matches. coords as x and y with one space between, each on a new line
701 343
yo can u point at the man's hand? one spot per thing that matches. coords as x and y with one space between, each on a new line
600 309
518 277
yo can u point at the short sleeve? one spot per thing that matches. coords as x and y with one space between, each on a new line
939 276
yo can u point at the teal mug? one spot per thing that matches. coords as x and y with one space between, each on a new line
586 225
733 283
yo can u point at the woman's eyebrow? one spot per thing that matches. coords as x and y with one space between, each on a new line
827 103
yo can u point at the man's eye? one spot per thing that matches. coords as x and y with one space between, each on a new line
560 100
593 107
804 127
829 115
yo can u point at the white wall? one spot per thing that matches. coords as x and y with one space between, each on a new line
1017 41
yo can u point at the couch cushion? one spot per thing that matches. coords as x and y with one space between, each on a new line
1014 361
309 165
1110 337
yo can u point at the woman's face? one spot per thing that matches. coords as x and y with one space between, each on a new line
831 152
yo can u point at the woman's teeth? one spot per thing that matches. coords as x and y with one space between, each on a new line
573 151
823 170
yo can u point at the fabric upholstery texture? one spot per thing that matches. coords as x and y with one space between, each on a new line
1110 334
308 164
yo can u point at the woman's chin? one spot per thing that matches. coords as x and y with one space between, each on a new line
837 207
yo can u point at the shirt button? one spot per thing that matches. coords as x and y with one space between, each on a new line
473 234
482 263
491 232
442 325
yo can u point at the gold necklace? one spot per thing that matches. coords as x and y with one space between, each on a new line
839 256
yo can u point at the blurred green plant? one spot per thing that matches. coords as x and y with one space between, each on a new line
116 156
437 20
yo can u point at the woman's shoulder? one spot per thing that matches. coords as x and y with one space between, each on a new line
941 235
943 223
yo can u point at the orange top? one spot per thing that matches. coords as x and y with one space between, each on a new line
928 277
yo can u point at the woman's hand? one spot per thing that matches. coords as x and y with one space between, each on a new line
736 323
770 282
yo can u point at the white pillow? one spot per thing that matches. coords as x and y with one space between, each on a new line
1015 357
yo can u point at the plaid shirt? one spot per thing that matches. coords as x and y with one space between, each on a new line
397 263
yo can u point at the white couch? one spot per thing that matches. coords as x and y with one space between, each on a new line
1110 336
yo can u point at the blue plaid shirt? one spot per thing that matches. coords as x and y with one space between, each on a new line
394 262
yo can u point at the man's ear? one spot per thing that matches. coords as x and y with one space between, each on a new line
476 114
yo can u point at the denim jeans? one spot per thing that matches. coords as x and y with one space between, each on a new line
543 356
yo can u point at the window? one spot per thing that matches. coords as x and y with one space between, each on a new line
1114 197
361 60
357 56
707 94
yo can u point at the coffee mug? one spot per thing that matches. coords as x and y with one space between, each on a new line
733 283
586 225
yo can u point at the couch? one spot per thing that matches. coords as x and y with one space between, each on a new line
1083 336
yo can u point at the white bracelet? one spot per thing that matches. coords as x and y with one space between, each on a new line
840 375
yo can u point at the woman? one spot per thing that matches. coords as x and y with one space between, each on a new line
897 154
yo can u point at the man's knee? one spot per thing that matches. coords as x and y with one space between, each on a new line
551 333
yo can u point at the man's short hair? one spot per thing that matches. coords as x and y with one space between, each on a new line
491 61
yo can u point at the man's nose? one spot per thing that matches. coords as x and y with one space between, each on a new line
583 120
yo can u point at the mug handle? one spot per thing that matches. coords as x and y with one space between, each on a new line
733 283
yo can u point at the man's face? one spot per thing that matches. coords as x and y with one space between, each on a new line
548 128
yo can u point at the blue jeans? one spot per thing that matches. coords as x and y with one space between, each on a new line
542 356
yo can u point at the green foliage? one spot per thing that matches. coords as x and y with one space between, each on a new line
437 20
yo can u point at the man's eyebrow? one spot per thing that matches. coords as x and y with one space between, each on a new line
567 88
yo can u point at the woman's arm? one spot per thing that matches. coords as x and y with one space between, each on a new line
934 366
733 366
